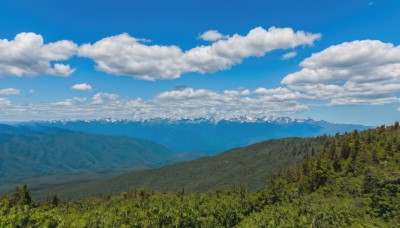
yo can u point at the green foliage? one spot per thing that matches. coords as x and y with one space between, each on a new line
66 152
249 166
363 192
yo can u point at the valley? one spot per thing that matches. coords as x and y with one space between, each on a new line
345 180
48 156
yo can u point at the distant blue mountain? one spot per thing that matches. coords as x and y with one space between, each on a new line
204 137
43 149
5 128
27 152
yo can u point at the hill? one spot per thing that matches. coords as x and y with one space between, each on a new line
351 181
61 152
247 166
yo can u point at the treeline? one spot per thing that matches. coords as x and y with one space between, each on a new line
348 180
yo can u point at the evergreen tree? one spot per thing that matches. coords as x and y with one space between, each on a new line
26 198
55 200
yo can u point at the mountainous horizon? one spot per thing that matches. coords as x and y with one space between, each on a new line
204 136
52 153
199 113
215 119
250 167
29 153
344 180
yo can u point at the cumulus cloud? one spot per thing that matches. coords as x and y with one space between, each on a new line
278 94
71 101
351 73
289 55
212 35
245 92
175 104
27 55
82 87
186 93
126 55
101 98
9 91
4 101
229 103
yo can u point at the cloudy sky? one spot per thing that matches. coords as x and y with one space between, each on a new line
329 60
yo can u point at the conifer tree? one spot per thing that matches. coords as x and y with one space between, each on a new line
26 198
55 200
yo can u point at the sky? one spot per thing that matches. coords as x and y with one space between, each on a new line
337 61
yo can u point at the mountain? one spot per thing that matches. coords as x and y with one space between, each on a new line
205 137
74 152
26 153
349 180
19 129
249 166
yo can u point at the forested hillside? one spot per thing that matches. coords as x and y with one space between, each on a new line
57 151
350 180
249 166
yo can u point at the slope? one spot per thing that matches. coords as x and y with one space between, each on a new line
248 166
206 137
65 152
352 181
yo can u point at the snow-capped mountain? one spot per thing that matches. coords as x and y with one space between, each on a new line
211 119
204 135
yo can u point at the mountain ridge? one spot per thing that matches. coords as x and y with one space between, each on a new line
60 151
248 166
239 119
206 137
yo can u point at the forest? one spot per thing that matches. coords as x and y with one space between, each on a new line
347 180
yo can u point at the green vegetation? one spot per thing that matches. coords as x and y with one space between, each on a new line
349 180
249 166
65 152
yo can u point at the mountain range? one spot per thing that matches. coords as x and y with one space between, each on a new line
249 166
204 136
27 153
60 152
344 180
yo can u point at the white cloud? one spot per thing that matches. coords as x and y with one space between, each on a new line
245 92
9 91
125 55
27 55
101 98
228 104
351 73
174 104
212 35
4 101
187 93
82 87
289 55
31 91
71 101
278 94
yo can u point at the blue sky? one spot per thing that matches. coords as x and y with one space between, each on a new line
131 59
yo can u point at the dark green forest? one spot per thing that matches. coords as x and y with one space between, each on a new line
348 180
249 166
58 151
